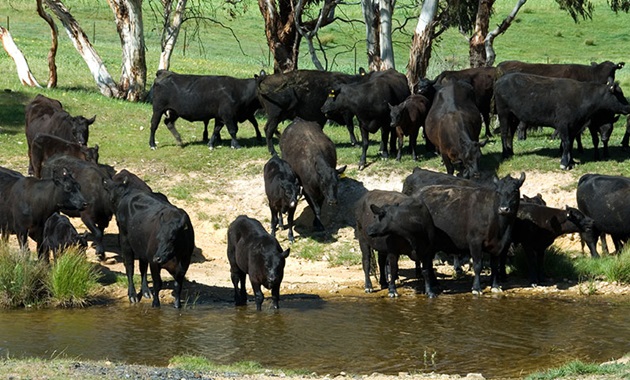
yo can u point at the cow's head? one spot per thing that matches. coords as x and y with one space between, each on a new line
292 190
275 259
80 128
395 113
330 181
91 154
471 158
331 105
173 224
615 101
508 190
72 199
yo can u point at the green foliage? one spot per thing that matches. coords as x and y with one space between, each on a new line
608 268
308 249
578 368
558 265
21 279
344 254
201 364
73 279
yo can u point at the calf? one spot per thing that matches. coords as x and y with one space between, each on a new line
605 199
45 115
226 99
368 100
406 119
254 252
91 177
60 234
282 188
157 234
564 104
474 220
392 224
26 203
313 158
536 227
45 146
453 125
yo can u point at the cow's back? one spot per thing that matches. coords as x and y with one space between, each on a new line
598 73
302 143
605 199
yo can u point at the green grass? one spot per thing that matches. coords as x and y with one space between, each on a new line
201 364
579 369
73 280
607 268
22 280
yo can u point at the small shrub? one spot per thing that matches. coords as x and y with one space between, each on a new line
73 279
21 279
558 34
345 255
589 42
309 250
326 39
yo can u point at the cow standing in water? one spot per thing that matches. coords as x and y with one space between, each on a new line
254 252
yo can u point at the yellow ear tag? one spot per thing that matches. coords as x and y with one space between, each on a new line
342 175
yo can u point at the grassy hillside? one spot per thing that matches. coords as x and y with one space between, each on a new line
542 33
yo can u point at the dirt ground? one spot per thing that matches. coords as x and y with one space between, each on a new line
212 212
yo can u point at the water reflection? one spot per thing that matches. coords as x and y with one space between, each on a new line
498 337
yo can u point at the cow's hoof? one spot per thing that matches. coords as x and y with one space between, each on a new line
133 299
497 290
236 146
476 292
431 295
392 295
361 167
153 147
369 290
533 285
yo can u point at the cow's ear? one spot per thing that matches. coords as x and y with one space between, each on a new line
377 210
484 142
522 178
620 65
92 120
362 71
286 252
341 170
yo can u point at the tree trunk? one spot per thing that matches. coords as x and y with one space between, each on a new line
385 34
372 23
133 79
52 54
170 31
421 44
282 36
477 50
310 29
490 54
24 72
103 79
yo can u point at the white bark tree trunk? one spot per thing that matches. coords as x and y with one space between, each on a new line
421 44
170 31
103 79
385 34
490 53
24 72
370 15
133 78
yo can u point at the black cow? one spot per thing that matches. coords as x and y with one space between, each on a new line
154 232
253 251
98 213
369 101
45 146
60 234
282 188
226 99
605 199
26 203
453 125
601 123
480 78
392 224
45 115
564 104
537 226
407 118
421 178
301 93
313 158
474 220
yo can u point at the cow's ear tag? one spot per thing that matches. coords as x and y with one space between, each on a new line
342 175
331 94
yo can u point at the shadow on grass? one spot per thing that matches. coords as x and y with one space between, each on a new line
12 111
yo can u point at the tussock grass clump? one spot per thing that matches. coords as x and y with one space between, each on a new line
557 265
608 268
578 368
21 279
73 280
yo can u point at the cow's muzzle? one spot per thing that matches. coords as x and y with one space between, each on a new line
504 210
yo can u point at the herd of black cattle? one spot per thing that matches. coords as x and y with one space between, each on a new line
65 176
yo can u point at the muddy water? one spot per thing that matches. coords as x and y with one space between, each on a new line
498 337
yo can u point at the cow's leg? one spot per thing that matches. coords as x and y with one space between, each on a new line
413 142
366 261
400 139
486 120
382 269
143 266
232 128
566 162
391 133
270 129
275 296
365 141
157 284
155 121
169 120
494 272
428 275
507 135
216 133
350 128
274 221
392 259
252 119
97 235
317 210
43 252
476 254
450 168
179 278
290 215
22 237
238 278
590 238
595 139
625 141
258 294
384 143
127 255
540 266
